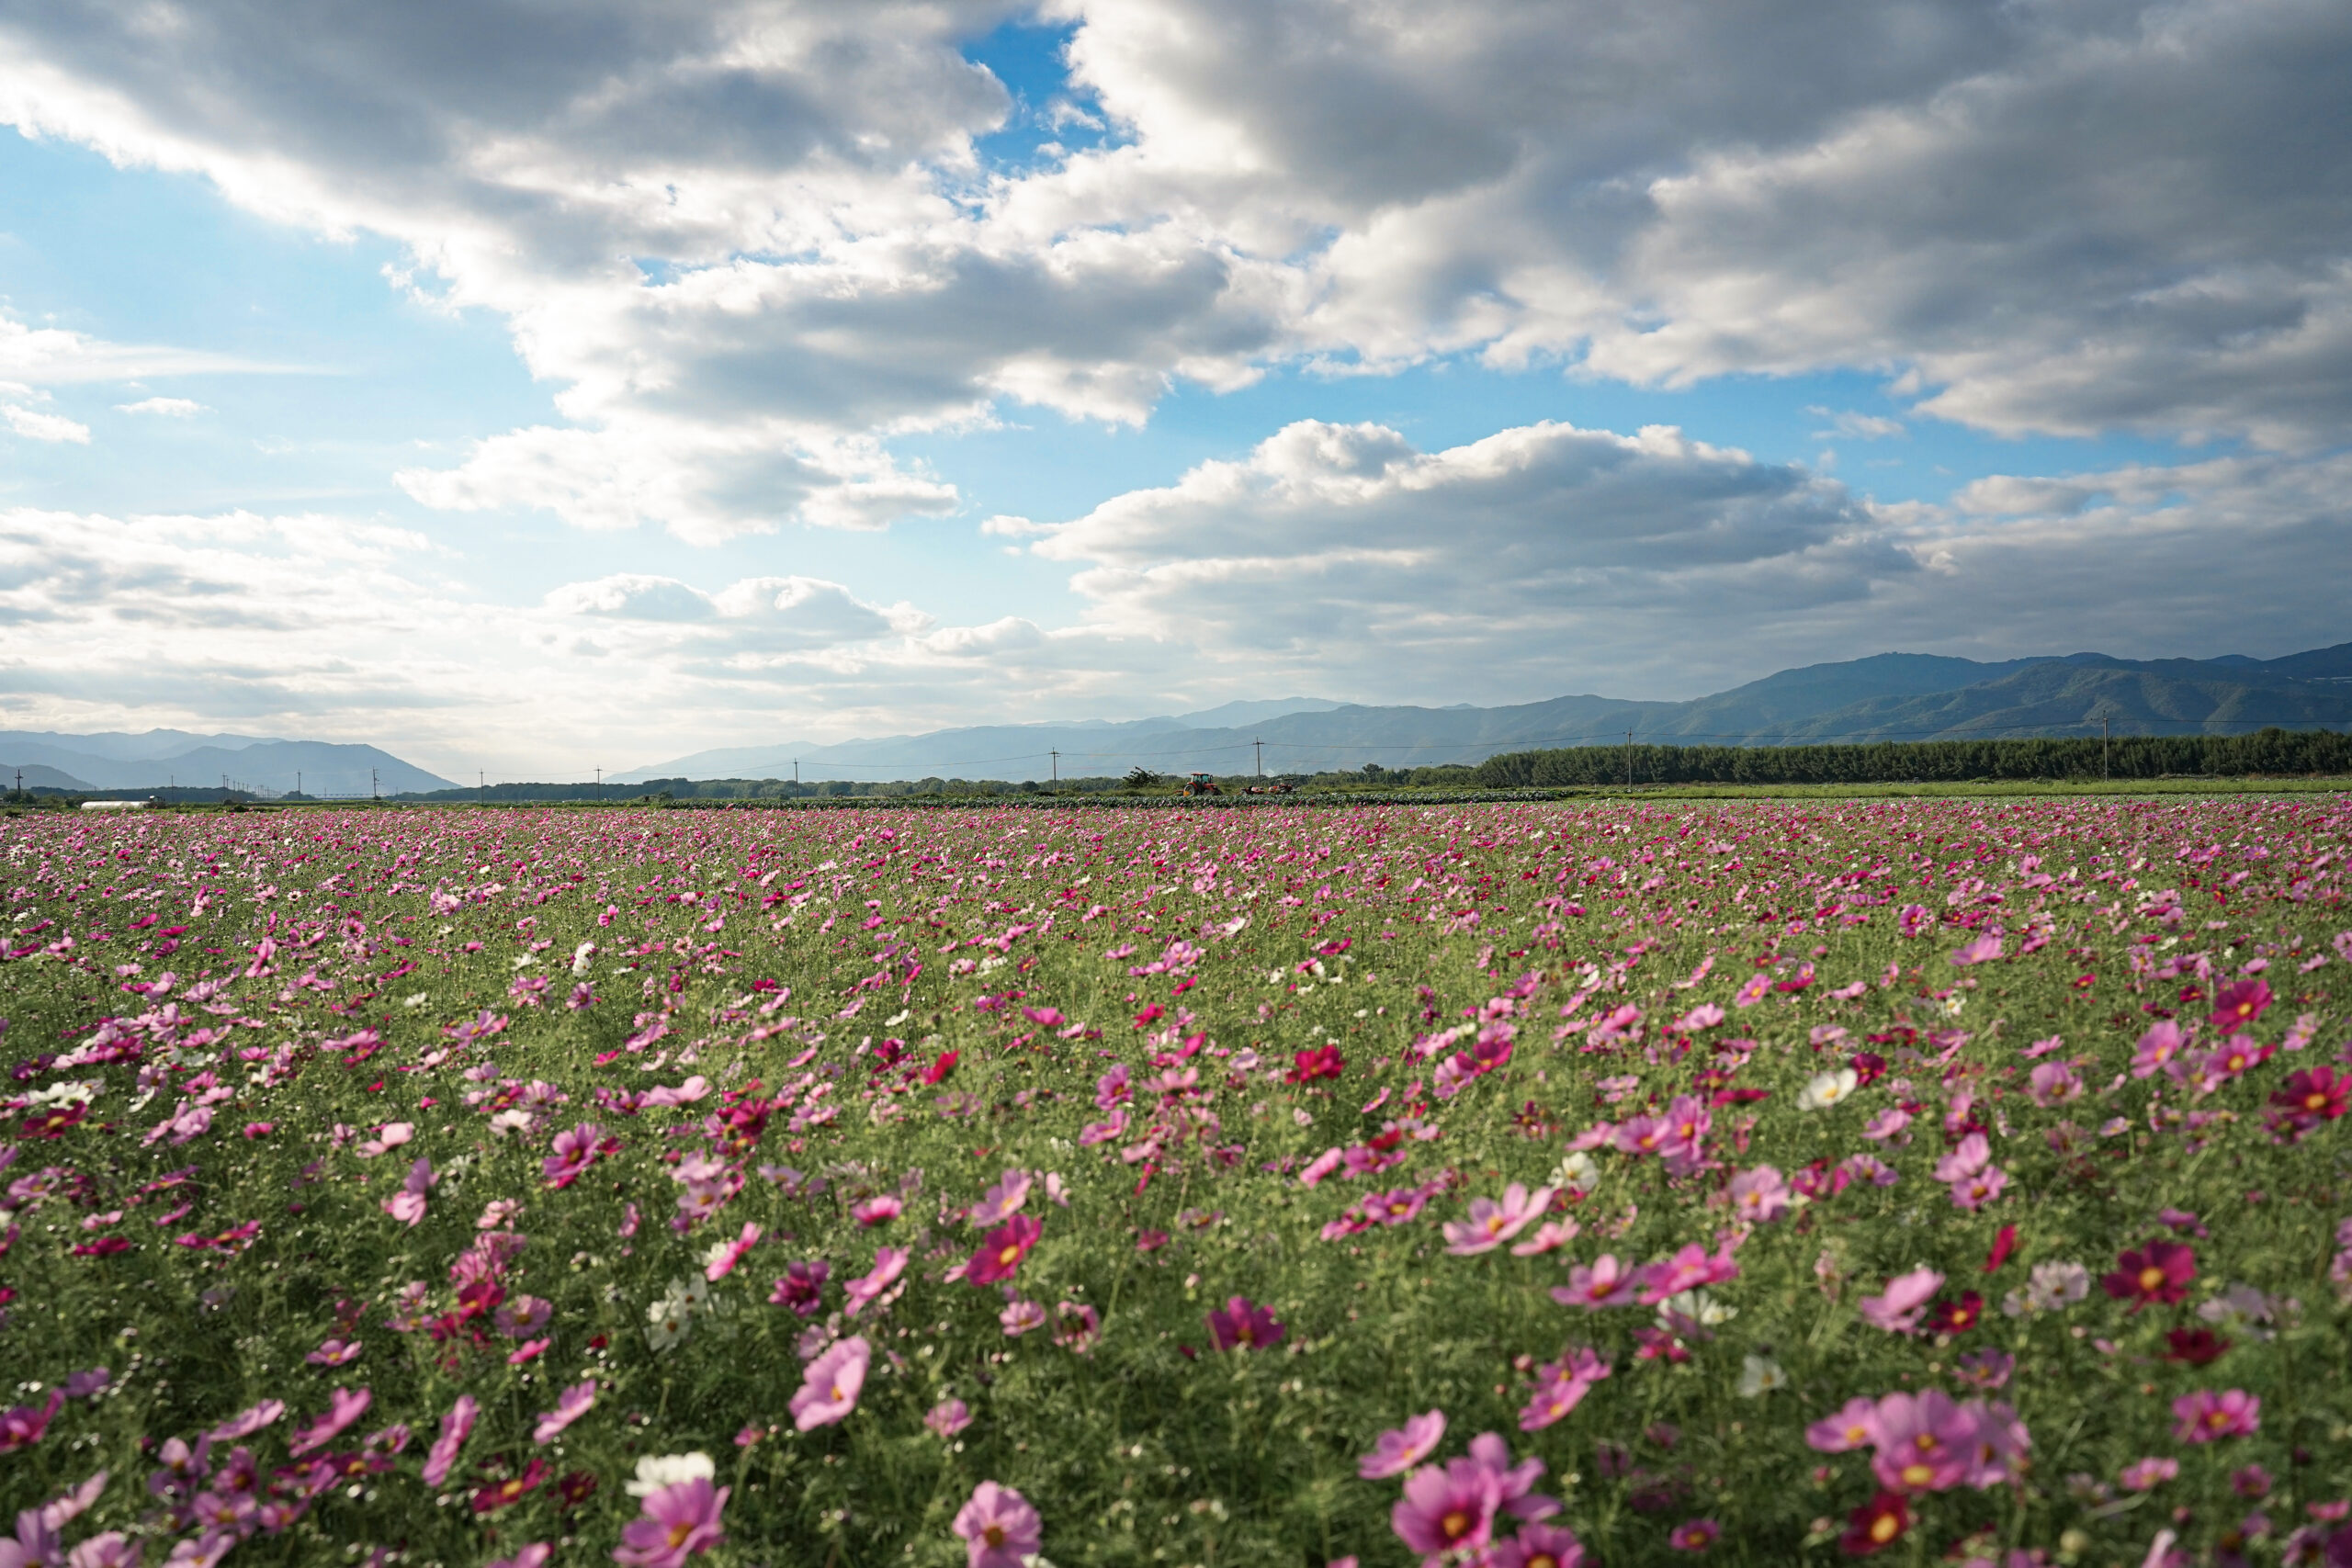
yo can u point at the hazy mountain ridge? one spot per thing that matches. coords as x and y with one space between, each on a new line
114 761
1887 697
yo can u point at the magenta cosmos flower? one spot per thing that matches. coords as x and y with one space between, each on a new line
1925 1442
1395 1452
2202 1417
889 1262
1606 1284
678 1521
829 1390
1002 1252
1241 1322
999 1526
1539 1546
456 1428
1450 1509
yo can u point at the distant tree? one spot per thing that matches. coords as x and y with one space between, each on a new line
1141 777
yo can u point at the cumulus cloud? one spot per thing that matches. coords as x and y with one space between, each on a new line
1549 560
170 407
742 239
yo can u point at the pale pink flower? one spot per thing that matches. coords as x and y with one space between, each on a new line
948 1417
1760 1194
1002 1200
2204 1415
1448 1509
829 1389
1020 1316
877 1211
725 1255
456 1427
570 1406
1549 1237
1492 1223
999 1527
342 1409
889 1262
678 1521
1396 1451
1606 1284
407 1205
1899 1310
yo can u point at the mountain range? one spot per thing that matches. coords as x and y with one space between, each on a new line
1888 696
115 761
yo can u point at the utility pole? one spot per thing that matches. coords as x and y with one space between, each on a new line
1629 759
371 784
297 780
2102 751
1056 756
600 783
1262 757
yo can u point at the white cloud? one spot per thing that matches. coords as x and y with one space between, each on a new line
1846 423
34 425
170 407
737 236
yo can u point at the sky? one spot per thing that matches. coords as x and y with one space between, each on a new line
533 393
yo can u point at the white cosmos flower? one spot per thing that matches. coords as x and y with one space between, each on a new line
1760 1375
1577 1171
656 1470
1827 1089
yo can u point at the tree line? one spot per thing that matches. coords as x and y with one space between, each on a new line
2268 751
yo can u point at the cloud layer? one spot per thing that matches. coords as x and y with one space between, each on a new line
744 239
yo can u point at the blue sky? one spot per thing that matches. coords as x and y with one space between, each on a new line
1104 363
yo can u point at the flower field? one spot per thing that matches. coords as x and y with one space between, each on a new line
1530 1185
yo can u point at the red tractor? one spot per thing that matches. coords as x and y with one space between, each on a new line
1201 784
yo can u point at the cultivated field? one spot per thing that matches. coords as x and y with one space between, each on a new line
1524 1185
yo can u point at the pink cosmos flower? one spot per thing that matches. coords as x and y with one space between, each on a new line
1320 1167
1688 1269
1002 1202
570 1406
677 1521
1549 1237
999 1527
333 1353
1925 1442
2147 1475
1520 1498
1539 1546
1606 1283
829 1389
456 1428
1973 1193
1854 1426
2204 1415
1560 1387
1970 1156
2156 1047
1695 1535
1984 949
1907 1298
878 1211
342 1409
1888 1123
407 1205
889 1262
1241 1322
1760 1195
246 1423
1448 1509
1396 1452
574 1152
1001 1254
948 1417
1492 1223
724 1256
1020 1316
2239 1003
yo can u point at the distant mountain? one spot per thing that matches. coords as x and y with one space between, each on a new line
35 775
161 757
1888 696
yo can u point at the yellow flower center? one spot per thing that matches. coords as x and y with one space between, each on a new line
993 1535
2150 1277
1886 1528
1455 1525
